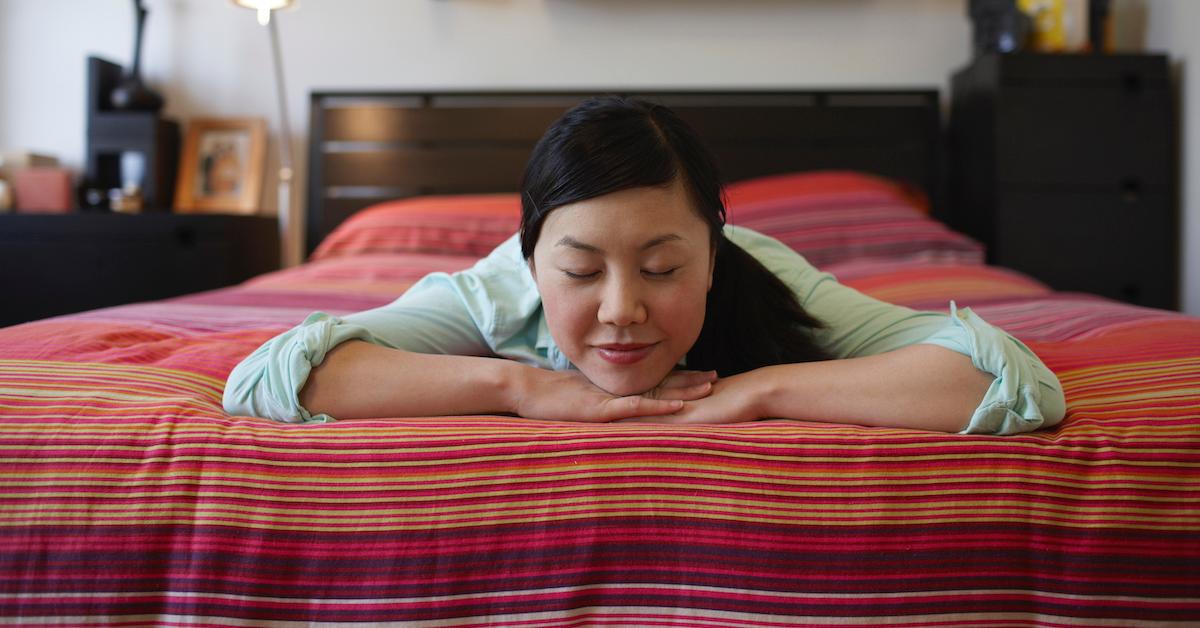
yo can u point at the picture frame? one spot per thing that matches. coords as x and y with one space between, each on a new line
221 168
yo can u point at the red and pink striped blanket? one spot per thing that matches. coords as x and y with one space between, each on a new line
128 497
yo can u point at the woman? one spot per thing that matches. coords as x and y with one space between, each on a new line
624 272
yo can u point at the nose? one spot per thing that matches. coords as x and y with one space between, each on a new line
622 304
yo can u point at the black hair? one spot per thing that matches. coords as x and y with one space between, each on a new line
607 144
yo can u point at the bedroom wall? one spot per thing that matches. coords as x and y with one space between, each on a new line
210 58
1174 26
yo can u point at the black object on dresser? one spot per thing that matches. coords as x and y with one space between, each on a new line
1064 167
112 133
61 263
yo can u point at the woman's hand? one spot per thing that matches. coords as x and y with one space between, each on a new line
684 385
733 399
568 395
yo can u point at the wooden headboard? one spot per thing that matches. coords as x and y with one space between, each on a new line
367 147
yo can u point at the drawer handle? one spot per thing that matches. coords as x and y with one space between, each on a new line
1131 189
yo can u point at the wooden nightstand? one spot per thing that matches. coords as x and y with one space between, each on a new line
1064 167
58 264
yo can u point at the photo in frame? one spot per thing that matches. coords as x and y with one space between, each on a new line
221 168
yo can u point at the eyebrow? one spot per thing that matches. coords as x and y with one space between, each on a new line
583 246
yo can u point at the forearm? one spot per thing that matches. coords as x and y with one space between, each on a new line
921 387
362 380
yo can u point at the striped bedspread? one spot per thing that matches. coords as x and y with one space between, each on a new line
128 497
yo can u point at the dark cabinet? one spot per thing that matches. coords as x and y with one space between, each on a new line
1064 167
58 264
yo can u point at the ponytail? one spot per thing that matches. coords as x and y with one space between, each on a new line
752 320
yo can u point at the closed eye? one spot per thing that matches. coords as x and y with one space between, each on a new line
592 275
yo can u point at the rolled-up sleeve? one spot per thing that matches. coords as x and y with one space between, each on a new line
268 382
1025 395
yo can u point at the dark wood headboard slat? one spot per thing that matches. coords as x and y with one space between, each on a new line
499 168
375 123
367 147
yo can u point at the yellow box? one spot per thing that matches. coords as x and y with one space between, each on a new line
1058 25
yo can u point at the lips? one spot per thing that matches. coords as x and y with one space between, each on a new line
624 353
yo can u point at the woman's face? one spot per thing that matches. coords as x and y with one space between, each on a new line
623 279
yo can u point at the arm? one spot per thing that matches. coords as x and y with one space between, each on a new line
362 380
1021 393
920 387
438 323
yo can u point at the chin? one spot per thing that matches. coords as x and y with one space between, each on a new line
624 386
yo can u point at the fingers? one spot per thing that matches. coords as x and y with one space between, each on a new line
685 415
685 393
678 379
696 413
680 418
637 405
673 419
684 385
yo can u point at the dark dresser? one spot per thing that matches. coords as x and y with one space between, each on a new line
1064 166
58 264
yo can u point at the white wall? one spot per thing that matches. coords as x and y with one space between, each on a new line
1174 25
210 58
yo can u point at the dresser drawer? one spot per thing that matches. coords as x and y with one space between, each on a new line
61 263
1091 241
1065 167
1078 135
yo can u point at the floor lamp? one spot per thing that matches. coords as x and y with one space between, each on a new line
289 218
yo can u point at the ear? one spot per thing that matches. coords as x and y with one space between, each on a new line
532 268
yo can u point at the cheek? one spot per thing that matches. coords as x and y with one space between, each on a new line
682 312
568 316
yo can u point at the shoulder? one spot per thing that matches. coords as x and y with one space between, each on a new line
506 264
503 273
754 242
497 291
780 259
767 250
500 292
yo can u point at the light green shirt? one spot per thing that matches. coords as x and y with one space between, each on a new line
494 309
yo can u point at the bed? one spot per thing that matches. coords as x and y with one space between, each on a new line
129 497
